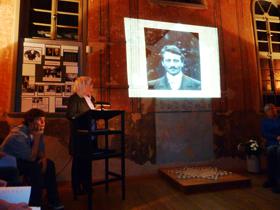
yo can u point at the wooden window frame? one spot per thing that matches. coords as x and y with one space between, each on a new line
202 5
272 95
54 14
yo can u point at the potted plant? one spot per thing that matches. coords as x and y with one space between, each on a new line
253 151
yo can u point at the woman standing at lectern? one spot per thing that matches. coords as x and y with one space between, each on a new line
80 102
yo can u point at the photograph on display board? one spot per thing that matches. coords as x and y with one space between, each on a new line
50 90
32 55
28 87
70 77
59 90
52 74
41 103
70 57
40 89
68 90
52 52
61 104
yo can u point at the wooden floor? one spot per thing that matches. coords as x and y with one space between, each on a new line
155 193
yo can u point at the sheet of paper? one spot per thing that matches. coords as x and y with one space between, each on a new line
15 194
35 208
28 69
52 104
26 104
72 69
53 63
70 47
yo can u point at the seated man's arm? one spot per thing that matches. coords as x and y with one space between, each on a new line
17 146
269 133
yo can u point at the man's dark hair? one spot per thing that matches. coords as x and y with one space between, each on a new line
32 114
172 49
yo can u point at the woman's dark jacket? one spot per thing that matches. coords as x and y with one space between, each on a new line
76 113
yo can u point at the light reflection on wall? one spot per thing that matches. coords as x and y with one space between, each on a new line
8 18
8 35
276 67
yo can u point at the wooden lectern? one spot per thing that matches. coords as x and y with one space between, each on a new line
88 153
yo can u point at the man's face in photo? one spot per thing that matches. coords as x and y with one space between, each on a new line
172 63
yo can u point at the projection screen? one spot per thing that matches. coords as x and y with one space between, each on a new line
171 60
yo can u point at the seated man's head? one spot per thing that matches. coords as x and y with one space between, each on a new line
270 110
172 59
34 119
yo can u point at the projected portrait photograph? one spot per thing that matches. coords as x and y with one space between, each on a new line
172 60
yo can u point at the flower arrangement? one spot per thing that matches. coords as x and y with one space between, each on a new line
250 147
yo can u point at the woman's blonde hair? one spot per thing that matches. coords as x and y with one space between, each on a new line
80 84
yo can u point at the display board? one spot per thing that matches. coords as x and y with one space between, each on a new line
48 72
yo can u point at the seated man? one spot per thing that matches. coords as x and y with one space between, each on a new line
26 143
271 132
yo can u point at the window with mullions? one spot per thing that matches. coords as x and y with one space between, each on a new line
55 19
267 33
